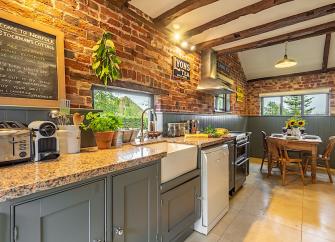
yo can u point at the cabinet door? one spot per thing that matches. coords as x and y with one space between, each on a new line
180 209
135 204
76 215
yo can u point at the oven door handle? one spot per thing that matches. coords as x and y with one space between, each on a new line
242 161
242 144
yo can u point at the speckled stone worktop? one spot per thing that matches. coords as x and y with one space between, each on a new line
24 179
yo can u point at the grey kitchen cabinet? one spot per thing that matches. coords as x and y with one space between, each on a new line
180 208
75 215
135 205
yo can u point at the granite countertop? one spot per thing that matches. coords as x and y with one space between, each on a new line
24 179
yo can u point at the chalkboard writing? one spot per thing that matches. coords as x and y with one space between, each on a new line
28 62
181 68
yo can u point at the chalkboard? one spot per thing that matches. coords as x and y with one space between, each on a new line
28 62
31 62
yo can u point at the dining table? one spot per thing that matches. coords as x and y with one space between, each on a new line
306 143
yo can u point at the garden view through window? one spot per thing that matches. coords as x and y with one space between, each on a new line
311 104
125 104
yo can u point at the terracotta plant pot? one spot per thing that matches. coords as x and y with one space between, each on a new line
104 139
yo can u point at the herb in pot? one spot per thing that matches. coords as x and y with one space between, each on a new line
103 126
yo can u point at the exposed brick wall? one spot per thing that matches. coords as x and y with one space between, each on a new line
237 74
146 52
324 80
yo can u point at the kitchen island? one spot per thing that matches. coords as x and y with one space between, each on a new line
110 192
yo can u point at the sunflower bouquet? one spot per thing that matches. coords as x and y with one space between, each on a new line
295 122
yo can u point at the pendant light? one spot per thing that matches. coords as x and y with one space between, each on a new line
286 62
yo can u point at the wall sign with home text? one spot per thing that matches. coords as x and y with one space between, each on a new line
31 63
181 69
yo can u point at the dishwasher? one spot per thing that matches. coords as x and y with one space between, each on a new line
214 187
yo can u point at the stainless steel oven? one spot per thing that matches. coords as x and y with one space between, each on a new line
241 161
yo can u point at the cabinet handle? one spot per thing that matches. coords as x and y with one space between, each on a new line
119 231
98 240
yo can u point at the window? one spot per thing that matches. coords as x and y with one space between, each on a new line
271 106
128 105
222 103
309 104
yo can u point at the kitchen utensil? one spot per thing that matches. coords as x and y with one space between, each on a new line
78 118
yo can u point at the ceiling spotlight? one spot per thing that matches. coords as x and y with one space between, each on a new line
184 44
193 48
285 62
176 26
176 36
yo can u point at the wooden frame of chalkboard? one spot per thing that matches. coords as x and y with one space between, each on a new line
40 81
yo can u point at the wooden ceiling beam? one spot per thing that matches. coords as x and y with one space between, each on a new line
292 36
326 52
316 72
251 9
281 23
120 3
187 6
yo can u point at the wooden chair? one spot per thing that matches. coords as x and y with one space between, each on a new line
282 147
265 149
273 155
324 159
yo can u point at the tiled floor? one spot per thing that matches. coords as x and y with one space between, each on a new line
265 211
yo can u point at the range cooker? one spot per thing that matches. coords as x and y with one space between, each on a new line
239 160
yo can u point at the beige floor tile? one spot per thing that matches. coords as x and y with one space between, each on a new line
264 210
257 203
250 228
197 237
307 237
225 222
322 231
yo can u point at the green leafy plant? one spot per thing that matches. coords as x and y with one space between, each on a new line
105 61
101 122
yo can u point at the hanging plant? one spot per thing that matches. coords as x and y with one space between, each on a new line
105 61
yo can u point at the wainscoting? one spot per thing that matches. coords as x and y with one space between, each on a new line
228 121
323 126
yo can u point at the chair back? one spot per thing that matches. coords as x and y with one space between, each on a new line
283 146
272 146
265 145
330 147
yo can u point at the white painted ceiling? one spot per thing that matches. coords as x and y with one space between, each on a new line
154 8
258 62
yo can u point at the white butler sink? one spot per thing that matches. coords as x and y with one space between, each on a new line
180 159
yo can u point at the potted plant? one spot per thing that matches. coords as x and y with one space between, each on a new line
105 61
103 126
295 124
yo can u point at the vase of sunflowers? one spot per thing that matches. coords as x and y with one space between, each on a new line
295 126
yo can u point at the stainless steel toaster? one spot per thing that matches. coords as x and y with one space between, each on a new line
15 145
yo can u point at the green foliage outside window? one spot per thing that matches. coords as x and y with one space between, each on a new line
297 105
124 107
272 108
